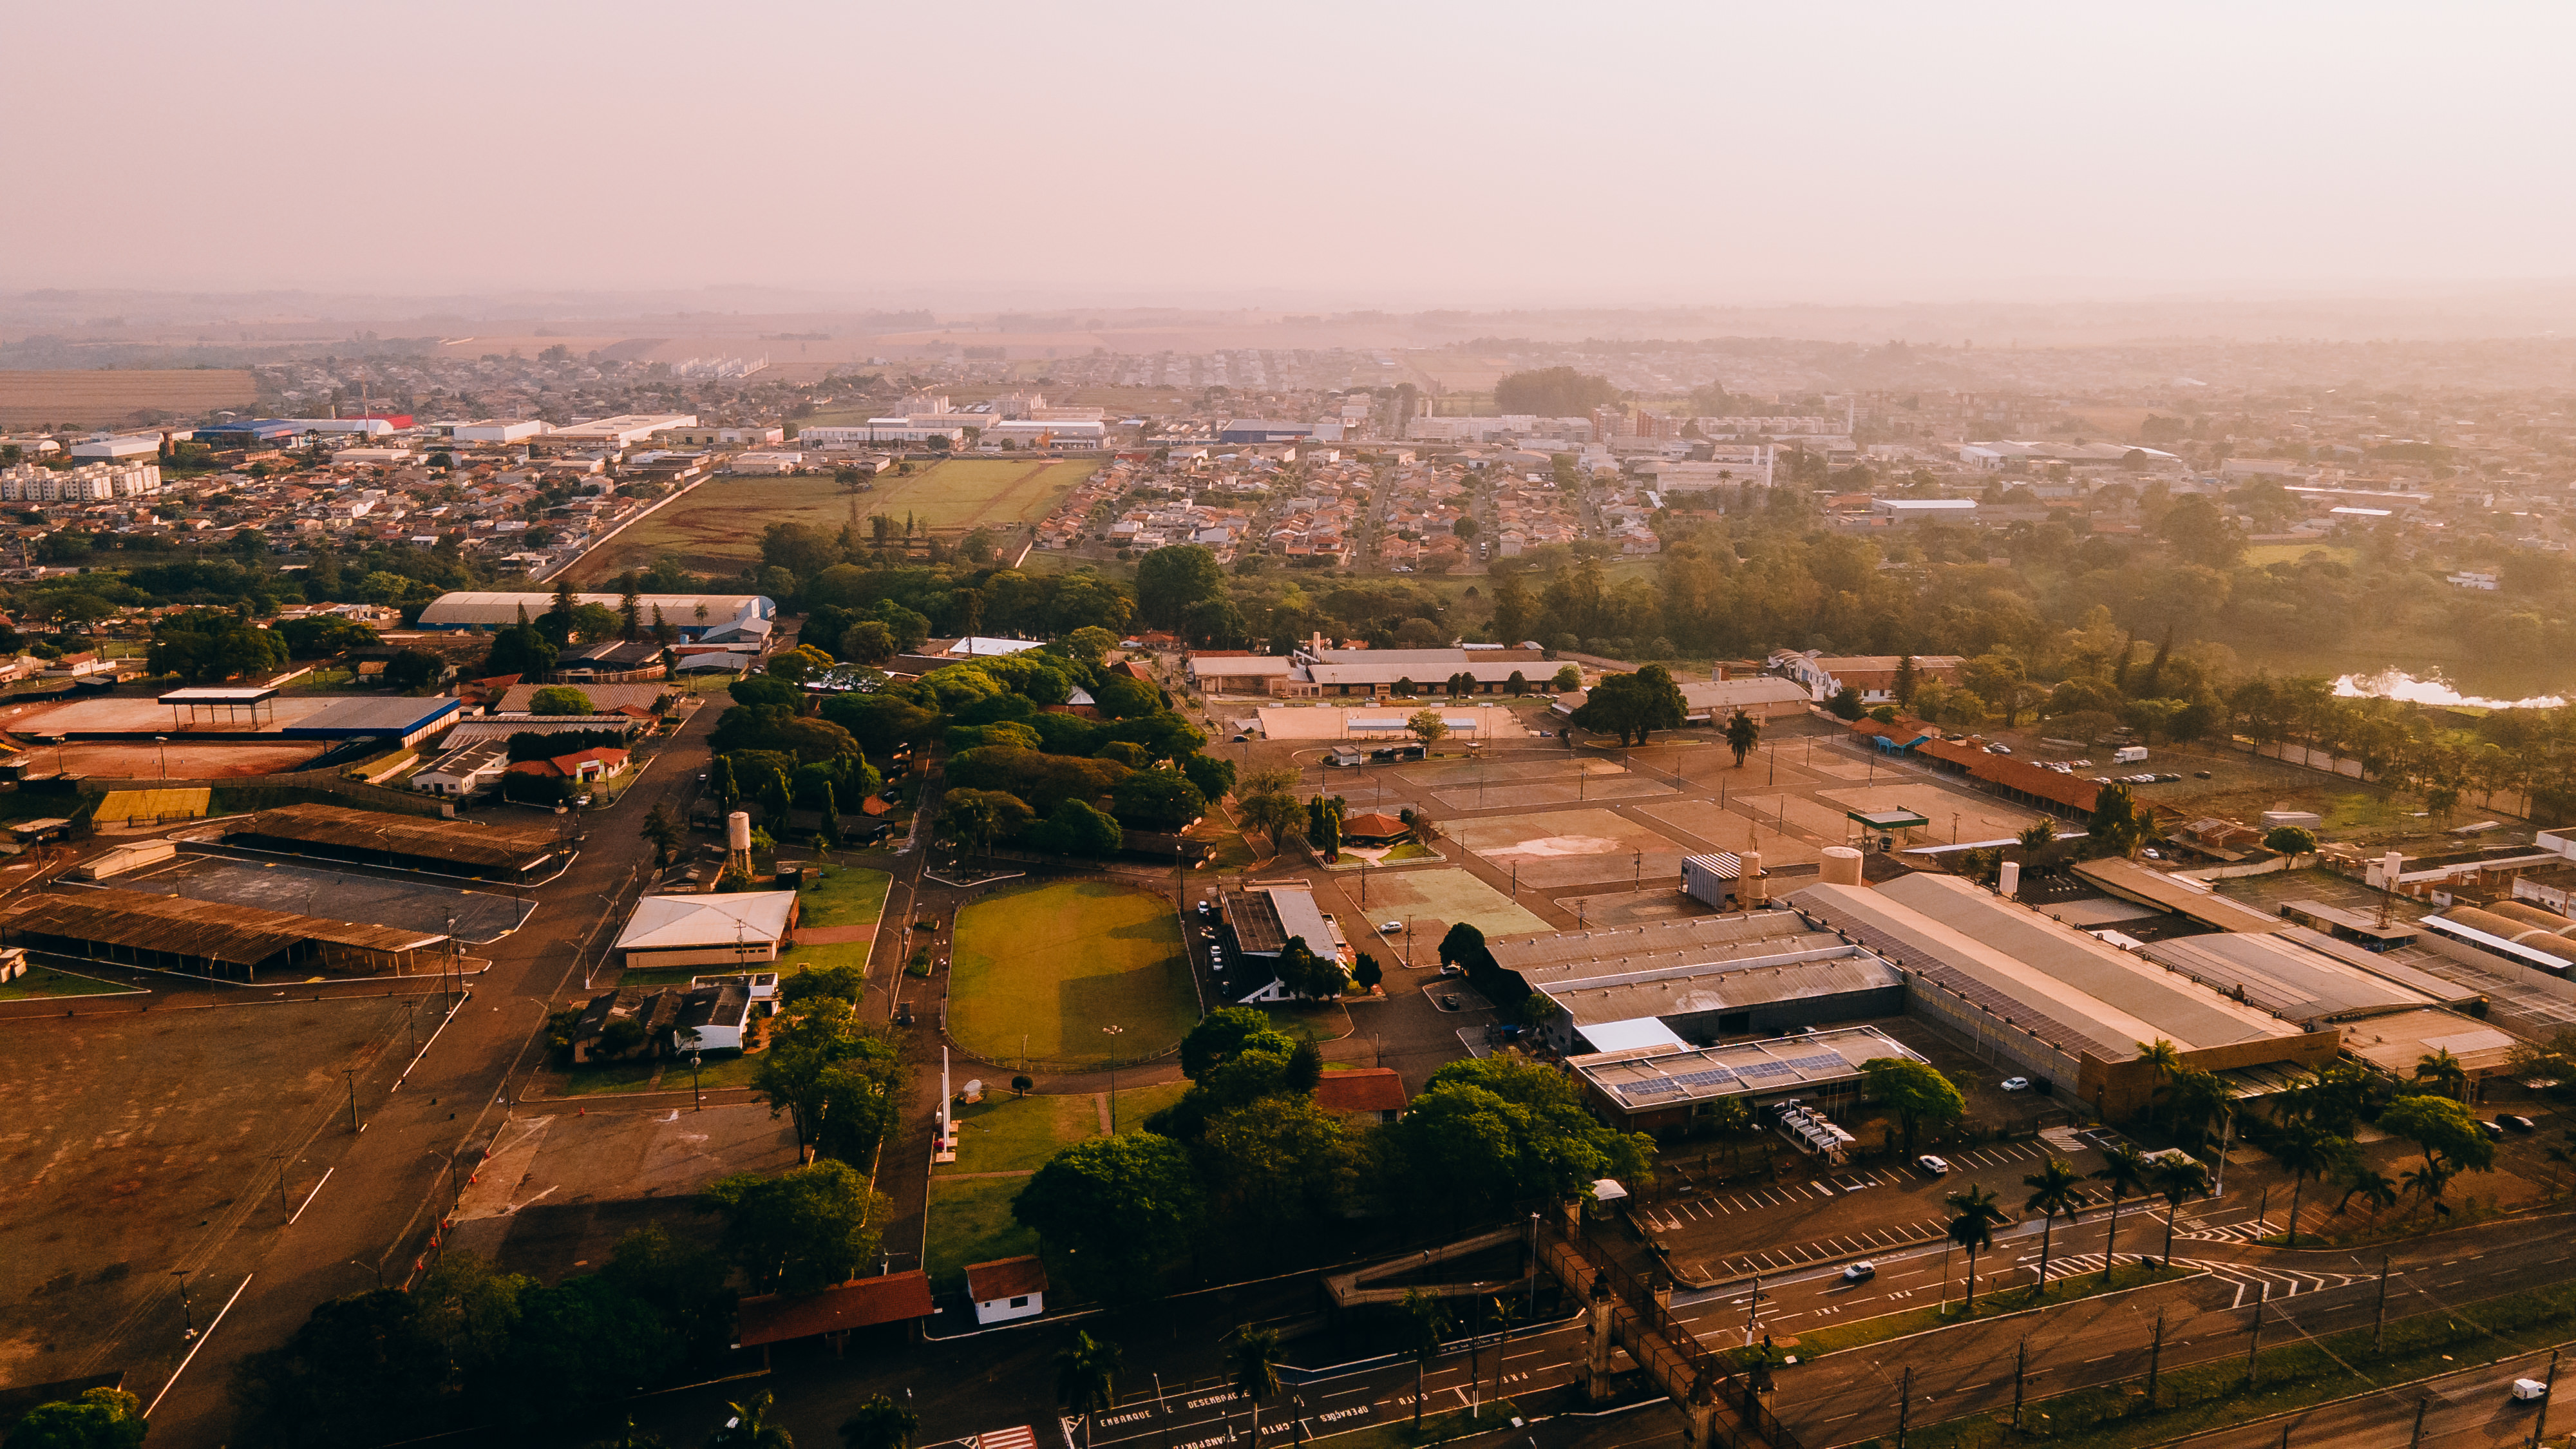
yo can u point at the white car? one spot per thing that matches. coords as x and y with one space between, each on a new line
1860 1272
2527 1390
2016 1084
1933 1165
1390 928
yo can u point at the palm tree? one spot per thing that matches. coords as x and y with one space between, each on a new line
1254 1363
1743 733
2375 1187
2429 1181
2124 1170
1973 1229
2057 1189
2176 1178
749 1428
2308 1151
1426 1323
2445 1072
2194 1098
2165 1060
881 1423
1085 1379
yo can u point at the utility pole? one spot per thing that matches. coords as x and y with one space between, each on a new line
2021 1367
2379 1328
2254 1340
2416 1438
1904 1405
282 1203
2155 1359
352 1074
2540 1417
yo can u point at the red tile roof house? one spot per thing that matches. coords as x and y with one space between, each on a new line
769 1318
1364 1094
1007 1288
590 764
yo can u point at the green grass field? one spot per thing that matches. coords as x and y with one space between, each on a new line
716 529
1037 974
971 1222
1003 1133
41 981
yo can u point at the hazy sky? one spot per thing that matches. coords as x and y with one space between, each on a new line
1320 154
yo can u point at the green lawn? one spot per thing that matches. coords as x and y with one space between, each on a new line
845 895
592 1080
1037 974
46 981
971 1222
1135 1104
1018 1134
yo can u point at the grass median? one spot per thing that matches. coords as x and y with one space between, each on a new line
2287 1377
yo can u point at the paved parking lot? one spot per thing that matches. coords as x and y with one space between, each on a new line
481 917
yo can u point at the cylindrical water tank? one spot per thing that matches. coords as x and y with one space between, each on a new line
1840 866
738 831
1749 890
2009 883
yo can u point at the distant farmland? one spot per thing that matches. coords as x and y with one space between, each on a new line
716 529
112 398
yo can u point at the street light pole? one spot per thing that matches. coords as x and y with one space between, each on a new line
352 1074
1113 1033
187 1316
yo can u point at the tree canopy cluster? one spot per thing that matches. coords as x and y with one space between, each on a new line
1247 1157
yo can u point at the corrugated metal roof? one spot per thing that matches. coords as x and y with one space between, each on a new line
2279 976
208 930
2129 879
1651 1078
509 847
1694 992
1658 945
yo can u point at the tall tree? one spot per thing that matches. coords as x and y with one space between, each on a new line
2164 1060
2124 1170
1743 735
2176 1179
1915 1091
1252 1362
1974 1217
2056 1190
2307 1151
1425 1328
1086 1379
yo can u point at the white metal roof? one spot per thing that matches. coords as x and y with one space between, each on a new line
672 923
1630 1035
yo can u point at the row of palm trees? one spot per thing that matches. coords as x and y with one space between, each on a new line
1086 1374
2057 1191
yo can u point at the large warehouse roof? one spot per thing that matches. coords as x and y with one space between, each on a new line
2186 898
1688 991
485 847
2048 978
2289 978
206 930
1650 1078
1571 956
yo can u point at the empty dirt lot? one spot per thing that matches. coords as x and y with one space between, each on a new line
114 398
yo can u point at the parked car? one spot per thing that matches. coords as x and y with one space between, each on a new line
2016 1084
1448 1003
1933 1165
2200 774
2516 1123
2491 1129
2526 1391
1389 928
1860 1272
1999 749
1451 968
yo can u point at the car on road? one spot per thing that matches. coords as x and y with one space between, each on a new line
2016 1084
1860 1272
1389 928
1933 1165
2492 1130
2527 1391
1999 749
2513 1123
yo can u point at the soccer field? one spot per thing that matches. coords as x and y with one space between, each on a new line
1037 974
717 527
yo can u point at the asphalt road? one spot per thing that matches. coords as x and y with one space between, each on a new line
389 1184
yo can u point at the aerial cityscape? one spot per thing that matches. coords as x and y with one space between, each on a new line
1239 729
